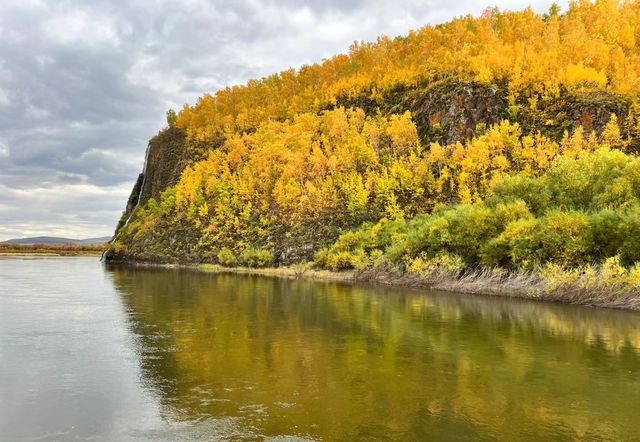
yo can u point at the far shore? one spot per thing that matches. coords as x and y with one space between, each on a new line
49 254
8 249
484 283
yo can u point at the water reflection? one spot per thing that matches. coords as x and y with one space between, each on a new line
326 360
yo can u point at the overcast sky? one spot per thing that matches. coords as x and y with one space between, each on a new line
84 85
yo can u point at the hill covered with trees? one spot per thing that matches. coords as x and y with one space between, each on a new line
507 141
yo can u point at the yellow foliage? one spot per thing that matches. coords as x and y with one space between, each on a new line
577 74
612 272
340 168
557 276
633 277
611 136
592 44
443 262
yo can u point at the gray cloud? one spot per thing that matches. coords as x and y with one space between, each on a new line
84 85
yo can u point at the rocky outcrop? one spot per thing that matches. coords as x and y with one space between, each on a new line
449 111
454 109
166 159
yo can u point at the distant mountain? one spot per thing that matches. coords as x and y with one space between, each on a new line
55 240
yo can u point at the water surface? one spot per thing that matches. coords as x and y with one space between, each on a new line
108 353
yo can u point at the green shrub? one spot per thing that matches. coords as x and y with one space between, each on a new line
514 247
579 183
227 258
321 258
581 211
153 206
256 258
340 261
532 191
630 228
361 248
606 235
460 230
562 237
508 212
168 200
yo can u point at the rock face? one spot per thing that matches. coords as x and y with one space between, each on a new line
166 159
451 111
132 202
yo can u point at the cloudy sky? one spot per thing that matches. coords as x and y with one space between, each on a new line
84 85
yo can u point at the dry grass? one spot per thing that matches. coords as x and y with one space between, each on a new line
519 285
293 272
580 290
491 282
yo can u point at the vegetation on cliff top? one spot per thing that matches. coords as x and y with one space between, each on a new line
538 56
509 140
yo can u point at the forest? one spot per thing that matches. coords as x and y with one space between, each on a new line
505 143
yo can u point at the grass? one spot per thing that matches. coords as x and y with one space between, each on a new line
292 272
527 285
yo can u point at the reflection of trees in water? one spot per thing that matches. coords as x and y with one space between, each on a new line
337 359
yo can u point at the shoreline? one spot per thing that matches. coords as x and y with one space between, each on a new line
482 283
48 254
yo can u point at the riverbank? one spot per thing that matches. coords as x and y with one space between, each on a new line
97 254
567 287
7 249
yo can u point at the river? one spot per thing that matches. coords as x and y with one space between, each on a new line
113 353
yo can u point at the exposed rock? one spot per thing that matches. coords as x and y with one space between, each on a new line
166 159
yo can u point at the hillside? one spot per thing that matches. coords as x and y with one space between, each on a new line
507 141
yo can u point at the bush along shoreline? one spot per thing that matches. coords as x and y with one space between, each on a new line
571 234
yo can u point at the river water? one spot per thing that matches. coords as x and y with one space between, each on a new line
89 352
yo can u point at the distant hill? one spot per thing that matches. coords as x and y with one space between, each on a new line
55 240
